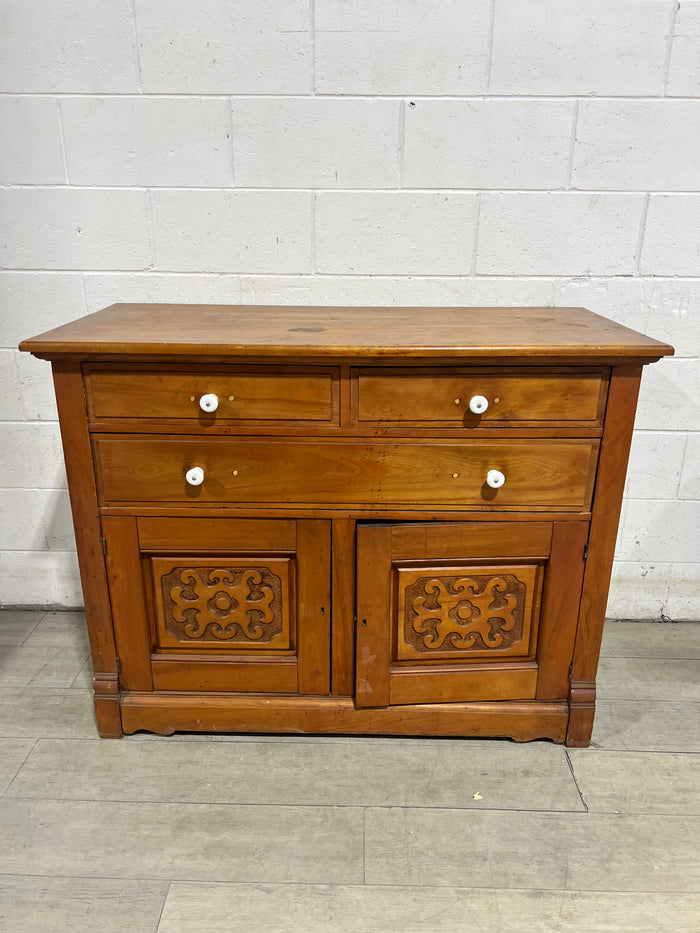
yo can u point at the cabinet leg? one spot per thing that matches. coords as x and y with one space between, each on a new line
581 713
106 689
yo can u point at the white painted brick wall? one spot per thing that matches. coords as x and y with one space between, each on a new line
411 152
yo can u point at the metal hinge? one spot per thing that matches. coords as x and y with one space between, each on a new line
585 553
104 546
119 666
571 667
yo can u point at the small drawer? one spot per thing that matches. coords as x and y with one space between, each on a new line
478 398
499 474
209 395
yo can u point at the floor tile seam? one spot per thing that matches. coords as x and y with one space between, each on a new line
573 777
41 619
644 657
345 884
166 895
22 764
297 806
669 751
80 877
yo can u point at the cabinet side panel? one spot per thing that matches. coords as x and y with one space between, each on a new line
70 400
607 503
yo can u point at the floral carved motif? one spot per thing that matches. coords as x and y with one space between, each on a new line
458 613
235 604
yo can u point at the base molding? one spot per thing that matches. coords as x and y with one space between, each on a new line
582 707
107 713
166 713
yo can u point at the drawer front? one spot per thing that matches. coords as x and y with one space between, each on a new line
544 474
243 395
427 397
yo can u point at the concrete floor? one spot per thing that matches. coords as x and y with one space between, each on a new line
202 834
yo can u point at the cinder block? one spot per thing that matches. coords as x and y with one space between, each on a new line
220 47
637 590
35 302
331 290
36 388
395 234
30 143
672 309
665 308
395 47
579 46
690 474
10 399
40 578
558 233
316 143
422 291
660 531
68 228
684 66
638 144
655 465
31 456
671 236
144 141
487 143
670 396
683 600
22 520
58 520
168 288
232 231
75 46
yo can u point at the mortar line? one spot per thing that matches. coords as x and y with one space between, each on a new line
572 147
132 4
489 62
669 46
640 236
62 138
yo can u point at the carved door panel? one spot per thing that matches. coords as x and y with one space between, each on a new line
221 604
466 611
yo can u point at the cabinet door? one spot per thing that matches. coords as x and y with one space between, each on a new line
221 604
466 611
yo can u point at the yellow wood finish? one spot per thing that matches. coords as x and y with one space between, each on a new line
247 395
544 475
344 566
421 397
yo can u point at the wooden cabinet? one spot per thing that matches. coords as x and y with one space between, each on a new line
395 521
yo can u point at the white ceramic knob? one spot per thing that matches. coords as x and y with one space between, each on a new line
495 479
478 404
195 476
209 402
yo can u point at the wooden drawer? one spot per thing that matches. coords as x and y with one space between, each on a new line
542 474
429 396
243 394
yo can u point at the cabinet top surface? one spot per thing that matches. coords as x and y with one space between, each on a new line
174 330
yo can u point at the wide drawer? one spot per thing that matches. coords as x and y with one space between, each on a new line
543 474
524 397
243 394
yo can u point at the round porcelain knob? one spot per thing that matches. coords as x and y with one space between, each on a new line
495 479
209 402
478 404
195 476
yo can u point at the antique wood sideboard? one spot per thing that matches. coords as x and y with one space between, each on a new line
346 520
